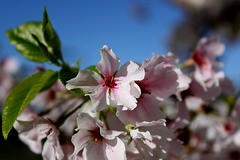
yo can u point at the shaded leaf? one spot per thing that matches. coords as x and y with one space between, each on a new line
50 35
66 74
45 51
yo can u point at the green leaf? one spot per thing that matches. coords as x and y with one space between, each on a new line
66 74
50 35
78 62
93 68
51 81
25 43
45 51
21 96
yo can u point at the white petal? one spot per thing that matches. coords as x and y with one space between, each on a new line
52 150
162 82
135 90
100 99
79 141
109 134
86 122
138 134
115 149
94 152
86 79
146 110
109 63
122 96
129 72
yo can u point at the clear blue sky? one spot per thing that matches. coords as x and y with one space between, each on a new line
85 26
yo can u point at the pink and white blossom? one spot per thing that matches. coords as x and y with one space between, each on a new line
33 129
108 87
95 141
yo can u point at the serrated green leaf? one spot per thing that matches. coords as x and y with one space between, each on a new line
50 35
66 74
20 97
25 43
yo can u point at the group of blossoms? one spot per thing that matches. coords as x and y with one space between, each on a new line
154 110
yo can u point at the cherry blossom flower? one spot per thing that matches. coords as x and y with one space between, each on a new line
159 83
33 129
208 83
96 141
206 52
160 79
110 86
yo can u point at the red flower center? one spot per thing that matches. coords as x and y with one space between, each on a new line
199 58
110 82
97 137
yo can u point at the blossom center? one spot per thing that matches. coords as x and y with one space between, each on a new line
97 137
110 82
199 58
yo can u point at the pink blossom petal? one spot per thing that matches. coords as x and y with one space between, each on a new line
27 115
144 150
138 134
114 149
109 134
212 46
170 59
86 122
156 128
114 123
152 150
207 93
163 81
182 119
135 90
100 99
79 141
122 96
94 152
52 150
183 80
150 64
175 147
146 110
109 63
35 145
193 103
86 79
129 72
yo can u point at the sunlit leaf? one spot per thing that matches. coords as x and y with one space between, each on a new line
24 41
21 96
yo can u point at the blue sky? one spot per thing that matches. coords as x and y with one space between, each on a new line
85 26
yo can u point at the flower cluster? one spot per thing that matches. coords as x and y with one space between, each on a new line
159 109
